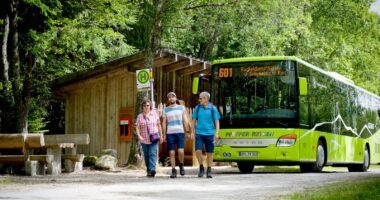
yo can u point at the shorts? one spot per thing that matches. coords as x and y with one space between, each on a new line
207 140
175 138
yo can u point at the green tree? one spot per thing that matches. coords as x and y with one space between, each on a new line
54 38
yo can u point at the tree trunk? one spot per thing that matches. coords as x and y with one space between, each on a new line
21 101
155 33
135 157
4 49
207 47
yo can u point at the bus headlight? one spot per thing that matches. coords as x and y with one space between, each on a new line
287 140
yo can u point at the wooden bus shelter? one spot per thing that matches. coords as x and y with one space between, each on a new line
101 101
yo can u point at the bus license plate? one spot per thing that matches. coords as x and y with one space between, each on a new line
248 154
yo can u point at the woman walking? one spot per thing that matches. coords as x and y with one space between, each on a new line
147 125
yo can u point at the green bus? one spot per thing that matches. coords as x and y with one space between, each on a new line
281 110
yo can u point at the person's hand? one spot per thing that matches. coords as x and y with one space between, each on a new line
140 138
188 135
161 140
217 136
192 136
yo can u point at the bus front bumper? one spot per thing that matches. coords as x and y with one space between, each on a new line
271 153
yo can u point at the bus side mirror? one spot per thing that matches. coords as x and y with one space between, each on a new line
302 86
195 85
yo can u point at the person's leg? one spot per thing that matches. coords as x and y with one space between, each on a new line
181 154
198 151
172 158
152 158
209 159
209 164
146 157
199 156
209 143
172 163
171 147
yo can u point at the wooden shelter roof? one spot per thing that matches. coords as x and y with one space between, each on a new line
168 60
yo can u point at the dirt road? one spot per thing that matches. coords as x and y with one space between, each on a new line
227 183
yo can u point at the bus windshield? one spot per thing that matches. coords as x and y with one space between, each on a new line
256 94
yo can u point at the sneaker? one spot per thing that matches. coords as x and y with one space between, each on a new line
181 169
201 171
208 173
152 173
148 174
174 173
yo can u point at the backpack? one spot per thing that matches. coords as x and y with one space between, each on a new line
212 111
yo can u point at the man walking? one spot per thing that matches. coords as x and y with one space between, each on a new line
206 120
174 120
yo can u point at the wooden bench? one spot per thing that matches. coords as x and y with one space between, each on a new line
69 142
25 143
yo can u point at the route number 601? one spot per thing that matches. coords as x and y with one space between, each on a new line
225 72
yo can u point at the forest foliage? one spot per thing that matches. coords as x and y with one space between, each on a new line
46 39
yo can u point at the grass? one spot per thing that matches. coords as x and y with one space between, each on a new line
3 182
359 189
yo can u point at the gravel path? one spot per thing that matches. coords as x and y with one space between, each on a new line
227 183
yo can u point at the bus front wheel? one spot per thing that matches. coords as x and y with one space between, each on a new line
361 167
245 167
316 166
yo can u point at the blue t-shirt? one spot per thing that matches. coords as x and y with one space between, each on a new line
205 124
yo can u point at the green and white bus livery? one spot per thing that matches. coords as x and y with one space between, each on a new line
282 110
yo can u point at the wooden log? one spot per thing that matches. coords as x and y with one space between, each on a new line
12 158
34 140
12 141
181 64
79 139
193 69
42 158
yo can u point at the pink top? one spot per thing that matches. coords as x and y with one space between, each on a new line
152 120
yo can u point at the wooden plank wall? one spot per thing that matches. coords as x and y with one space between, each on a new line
171 82
93 106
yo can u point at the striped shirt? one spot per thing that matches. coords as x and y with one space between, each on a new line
174 119
146 122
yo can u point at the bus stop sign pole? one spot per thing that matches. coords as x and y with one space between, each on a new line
151 86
